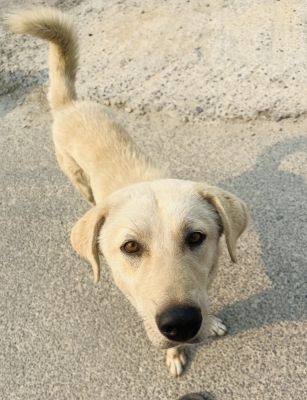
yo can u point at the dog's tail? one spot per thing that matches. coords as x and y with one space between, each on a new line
58 29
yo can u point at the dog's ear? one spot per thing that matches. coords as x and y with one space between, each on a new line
84 236
233 213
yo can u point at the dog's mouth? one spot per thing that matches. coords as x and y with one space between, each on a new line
166 343
169 344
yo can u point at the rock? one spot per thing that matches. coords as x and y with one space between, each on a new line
281 115
184 119
199 110
128 109
107 103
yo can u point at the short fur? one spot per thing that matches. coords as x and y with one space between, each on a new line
134 199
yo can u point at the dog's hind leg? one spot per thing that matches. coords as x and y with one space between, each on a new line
76 174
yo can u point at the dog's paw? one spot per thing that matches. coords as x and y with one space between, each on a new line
217 328
176 361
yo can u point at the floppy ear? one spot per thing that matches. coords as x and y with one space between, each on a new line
233 213
84 236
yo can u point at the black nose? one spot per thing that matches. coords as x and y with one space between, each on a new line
180 323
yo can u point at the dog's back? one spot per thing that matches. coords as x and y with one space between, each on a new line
93 150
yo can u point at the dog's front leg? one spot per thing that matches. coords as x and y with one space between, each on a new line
176 360
216 328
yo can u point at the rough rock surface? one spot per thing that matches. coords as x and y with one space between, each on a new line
239 59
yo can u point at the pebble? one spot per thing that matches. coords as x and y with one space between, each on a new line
184 119
128 110
199 110
107 103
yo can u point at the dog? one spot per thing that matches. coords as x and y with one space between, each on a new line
160 236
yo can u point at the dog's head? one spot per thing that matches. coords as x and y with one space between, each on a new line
161 241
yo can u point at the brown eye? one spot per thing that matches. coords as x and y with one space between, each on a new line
195 239
131 247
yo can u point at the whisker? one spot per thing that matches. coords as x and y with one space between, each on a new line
122 226
132 221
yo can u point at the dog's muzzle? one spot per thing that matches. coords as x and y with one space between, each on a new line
180 323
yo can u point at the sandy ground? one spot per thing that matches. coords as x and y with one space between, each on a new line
217 91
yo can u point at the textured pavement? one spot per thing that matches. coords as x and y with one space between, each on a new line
61 336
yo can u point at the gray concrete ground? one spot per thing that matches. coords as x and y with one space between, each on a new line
244 64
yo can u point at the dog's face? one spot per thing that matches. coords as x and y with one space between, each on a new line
161 241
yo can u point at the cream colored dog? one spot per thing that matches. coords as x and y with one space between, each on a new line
159 236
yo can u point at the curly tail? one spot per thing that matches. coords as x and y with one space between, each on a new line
58 29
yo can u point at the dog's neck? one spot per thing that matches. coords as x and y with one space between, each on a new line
131 171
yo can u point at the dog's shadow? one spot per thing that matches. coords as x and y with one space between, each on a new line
15 87
277 202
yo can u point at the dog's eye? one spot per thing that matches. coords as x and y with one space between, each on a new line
131 247
195 239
